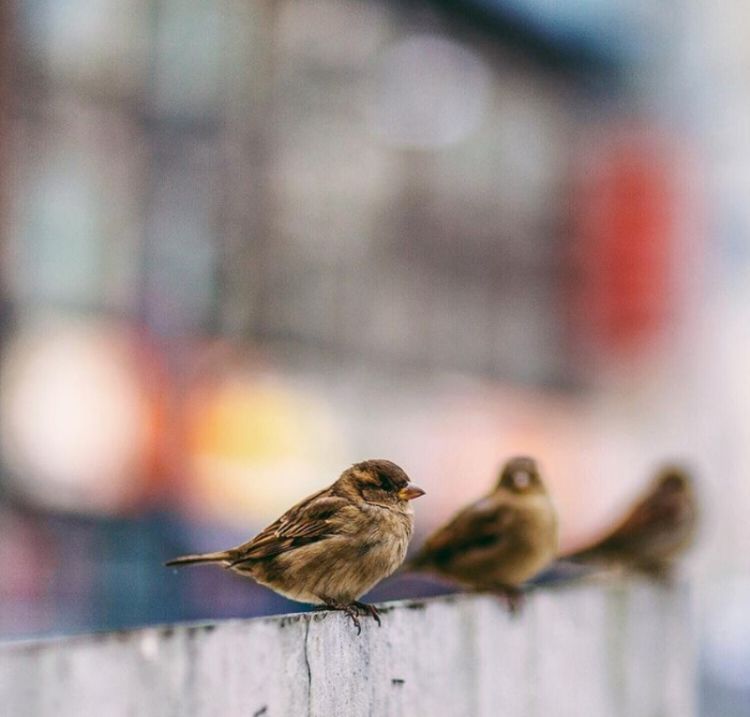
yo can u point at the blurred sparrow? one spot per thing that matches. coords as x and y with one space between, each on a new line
659 527
333 546
501 540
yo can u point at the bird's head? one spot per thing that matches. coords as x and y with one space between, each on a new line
521 475
380 482
672 480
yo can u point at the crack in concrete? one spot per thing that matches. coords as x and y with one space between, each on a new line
307 666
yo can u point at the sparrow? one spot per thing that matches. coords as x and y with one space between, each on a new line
656 530
500 541
333 546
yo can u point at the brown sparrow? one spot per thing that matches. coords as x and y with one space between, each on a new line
657 529
335 545
501 540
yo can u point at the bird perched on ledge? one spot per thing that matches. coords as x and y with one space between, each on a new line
335 545
656 530
500 541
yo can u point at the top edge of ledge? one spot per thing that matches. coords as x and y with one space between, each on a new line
608 585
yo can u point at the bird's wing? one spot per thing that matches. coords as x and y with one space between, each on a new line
482 525
315 518
653 514
659 512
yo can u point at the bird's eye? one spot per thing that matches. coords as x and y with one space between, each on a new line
388 484
521 479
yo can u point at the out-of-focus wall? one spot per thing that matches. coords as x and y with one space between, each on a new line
453 657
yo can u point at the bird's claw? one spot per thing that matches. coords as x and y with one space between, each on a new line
353 614
353 611
370 610
513 598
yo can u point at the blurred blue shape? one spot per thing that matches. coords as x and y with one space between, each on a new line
589 36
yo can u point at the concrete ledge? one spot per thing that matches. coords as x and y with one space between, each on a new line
593 651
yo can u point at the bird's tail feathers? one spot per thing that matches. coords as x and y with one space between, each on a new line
199 558
586 555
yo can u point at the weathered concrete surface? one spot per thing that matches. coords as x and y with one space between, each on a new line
588 651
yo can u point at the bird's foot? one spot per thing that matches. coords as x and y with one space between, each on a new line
513 598
370 610
349 609
353 611
663 575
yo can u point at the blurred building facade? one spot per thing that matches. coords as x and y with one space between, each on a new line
226 170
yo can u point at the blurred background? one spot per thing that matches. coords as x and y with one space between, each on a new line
246 243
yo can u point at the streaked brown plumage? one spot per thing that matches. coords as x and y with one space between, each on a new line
500 541
657 529
335 545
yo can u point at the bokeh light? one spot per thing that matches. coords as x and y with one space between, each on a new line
430 92
76 423
256 445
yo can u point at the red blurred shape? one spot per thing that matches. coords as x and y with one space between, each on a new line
624 207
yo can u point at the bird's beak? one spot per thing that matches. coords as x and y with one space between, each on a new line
410 492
